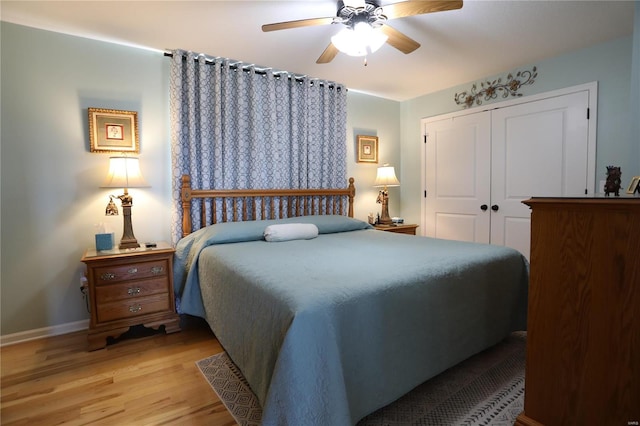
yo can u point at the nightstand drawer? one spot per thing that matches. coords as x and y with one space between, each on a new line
131 289
133 308
131 271
409 229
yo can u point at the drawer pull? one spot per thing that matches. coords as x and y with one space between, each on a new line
157 270
133 290
133 270
135 308
108 276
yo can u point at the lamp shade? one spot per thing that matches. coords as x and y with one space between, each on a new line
124 172
386 176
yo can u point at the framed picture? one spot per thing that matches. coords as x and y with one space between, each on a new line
633 185
367 149
113 130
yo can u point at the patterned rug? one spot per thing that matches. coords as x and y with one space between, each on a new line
486 389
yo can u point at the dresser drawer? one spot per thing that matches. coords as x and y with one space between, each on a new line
135 307
131 271
131 289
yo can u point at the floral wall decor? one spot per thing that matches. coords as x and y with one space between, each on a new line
490 89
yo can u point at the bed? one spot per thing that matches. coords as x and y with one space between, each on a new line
328 329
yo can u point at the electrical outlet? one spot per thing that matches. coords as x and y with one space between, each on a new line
601 187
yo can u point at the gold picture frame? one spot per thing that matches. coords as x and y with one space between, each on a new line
367 149
112 130
633 185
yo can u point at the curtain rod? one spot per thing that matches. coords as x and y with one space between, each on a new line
276 74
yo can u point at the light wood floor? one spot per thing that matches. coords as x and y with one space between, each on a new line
149 380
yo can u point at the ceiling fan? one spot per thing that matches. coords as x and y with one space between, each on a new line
365 24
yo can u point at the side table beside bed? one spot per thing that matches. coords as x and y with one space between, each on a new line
127 288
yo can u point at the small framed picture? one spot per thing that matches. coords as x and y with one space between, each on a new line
112 130
634 185
367 149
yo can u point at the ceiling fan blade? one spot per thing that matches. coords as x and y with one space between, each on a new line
419 7
327 56
296 24
400 41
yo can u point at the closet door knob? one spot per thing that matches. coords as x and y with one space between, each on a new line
495 207
484 207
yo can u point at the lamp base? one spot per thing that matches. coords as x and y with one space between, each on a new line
383 198
128 239
385 221
128 243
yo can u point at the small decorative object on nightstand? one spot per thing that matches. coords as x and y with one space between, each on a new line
398 229
127 288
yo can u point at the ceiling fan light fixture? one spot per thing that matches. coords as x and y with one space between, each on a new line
351 13
377 39
355 3
359 41
347 42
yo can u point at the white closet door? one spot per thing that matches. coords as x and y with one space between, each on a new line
498 158
537 149
458 161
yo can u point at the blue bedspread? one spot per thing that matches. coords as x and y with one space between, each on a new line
330 329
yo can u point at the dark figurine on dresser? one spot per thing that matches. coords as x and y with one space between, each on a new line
614 178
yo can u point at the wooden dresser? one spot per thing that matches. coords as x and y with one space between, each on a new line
583 340
130 287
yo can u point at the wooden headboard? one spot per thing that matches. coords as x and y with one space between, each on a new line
254 204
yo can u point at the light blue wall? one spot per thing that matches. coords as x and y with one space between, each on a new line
50 181
609 64
635 88
373 116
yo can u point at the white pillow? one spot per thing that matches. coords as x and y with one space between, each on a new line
290 231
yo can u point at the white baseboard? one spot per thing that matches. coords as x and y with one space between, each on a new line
40 333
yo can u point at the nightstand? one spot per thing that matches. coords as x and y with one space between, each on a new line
127 288
399 229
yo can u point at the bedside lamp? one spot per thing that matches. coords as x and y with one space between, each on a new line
386 177
124 172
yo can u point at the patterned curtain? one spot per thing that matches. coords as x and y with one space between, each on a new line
235 126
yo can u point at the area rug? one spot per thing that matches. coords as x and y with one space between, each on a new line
486 389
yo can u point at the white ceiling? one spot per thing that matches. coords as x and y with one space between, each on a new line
483 38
